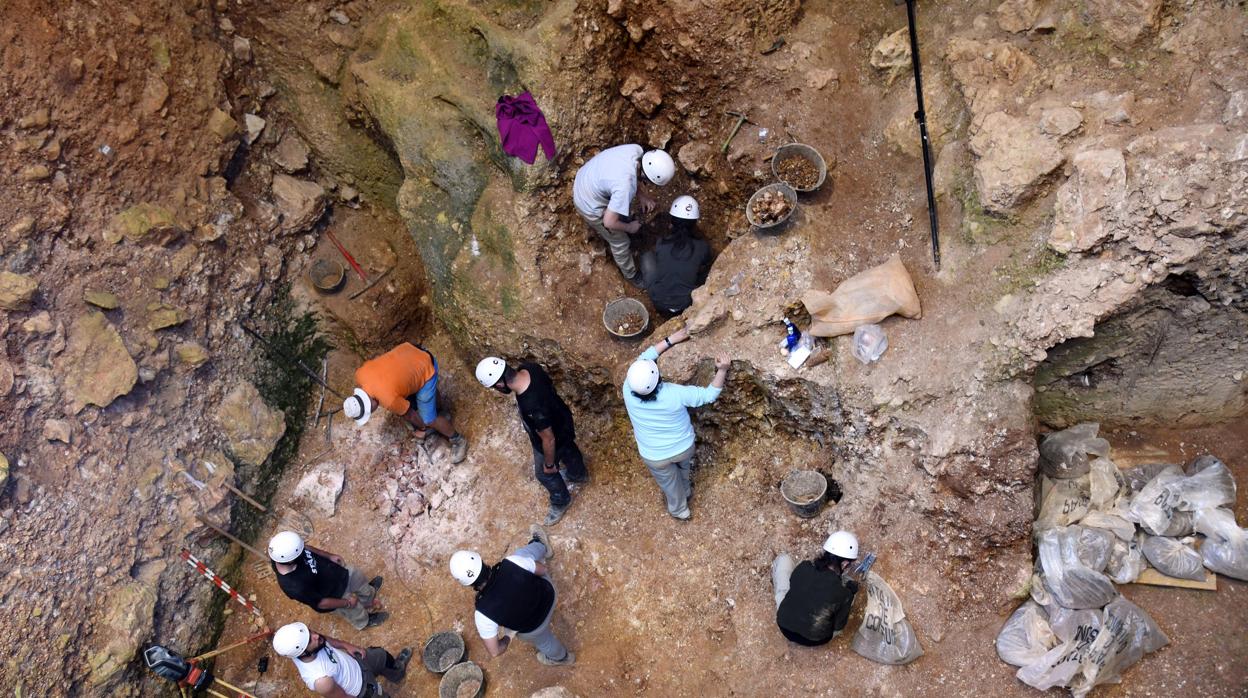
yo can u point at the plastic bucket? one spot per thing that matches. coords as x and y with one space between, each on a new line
327 275
443 651
613 317
805 492
454 679
800 150
774 226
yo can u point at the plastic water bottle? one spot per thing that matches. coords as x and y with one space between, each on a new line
870 342
792 335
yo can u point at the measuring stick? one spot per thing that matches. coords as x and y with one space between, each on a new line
220 583
347 255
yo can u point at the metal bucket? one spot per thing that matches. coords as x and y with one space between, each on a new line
327 275
443 651
459 675
800 150
805 492
616 310
774 226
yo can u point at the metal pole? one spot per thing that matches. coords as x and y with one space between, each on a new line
311 374
921 117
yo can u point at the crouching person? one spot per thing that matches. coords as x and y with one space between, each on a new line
336 668
813 599
514 594
324 582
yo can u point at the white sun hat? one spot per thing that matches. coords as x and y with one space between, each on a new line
358 407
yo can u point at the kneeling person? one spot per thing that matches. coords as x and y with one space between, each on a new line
515 594
336 668
323 582
813 600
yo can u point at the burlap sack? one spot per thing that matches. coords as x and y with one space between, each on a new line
864 298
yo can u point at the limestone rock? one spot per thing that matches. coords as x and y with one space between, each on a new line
95 367
155 94
1060 121
57 430
1017 15
222 124
1236 112
254 125
327 66
252 428
101 299
1013 158
144 224
339 16
300 203
1114 108
37 119
161 316
320 488
990 74
291 154
1124 21
242 49
39 323
893 51
642 92
695 157
21 228
192 354
17 291
4 472
35 173
6 378
127 621
817 79
1090 200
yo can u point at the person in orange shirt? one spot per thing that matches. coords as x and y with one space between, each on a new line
404 380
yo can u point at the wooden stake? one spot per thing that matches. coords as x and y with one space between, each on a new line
242 494
204 520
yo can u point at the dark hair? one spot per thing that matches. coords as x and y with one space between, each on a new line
827 560
509 374
682 234
483 579
653 393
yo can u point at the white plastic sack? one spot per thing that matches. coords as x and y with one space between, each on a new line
1126 561
1062 502
1104 482
885 635
1208 487
1225 550
1096 648
1064 454
1138 476
1156 506
1172 558
1202 462
1026 635
1093 547
1119 526
1072 583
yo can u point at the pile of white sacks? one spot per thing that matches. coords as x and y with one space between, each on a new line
1098 526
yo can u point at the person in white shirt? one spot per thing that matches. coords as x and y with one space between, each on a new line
335 668
603 193
514 594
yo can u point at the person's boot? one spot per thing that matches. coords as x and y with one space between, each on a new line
539 536
555 514
568 659
636 281
375 583
459 448
375 619
401 661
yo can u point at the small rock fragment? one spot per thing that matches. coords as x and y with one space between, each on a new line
37 119
192 354
101 299
35 173
16 291
221 124
254 125
242 49
57 430
161 316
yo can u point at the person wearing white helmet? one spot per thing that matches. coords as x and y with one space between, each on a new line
515 595
813 599
323 582
404 380
659 412
336 668
679 261
548 423
603 193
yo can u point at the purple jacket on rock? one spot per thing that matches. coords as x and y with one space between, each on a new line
522 127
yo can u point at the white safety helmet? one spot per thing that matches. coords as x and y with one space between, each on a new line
358 407
285 546
291 640
842 544
658 167
685 207
643 376
489 370
466 567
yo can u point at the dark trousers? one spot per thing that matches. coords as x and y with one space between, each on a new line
570 456
378 662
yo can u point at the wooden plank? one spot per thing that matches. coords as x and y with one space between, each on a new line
1152 577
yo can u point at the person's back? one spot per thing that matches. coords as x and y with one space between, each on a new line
515 597
607 180
816 606
335 664
314 577
679 269
661 426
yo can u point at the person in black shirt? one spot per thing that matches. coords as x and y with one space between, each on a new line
813 600
548 422
323 582
679 261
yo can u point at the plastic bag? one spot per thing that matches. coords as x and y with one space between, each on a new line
1096 648
1140 475
1113 522
1093 547
1202 462
1062 502
1026 635
1072 583
1172 558
870 343
1064 454
1225 550
1208 487
866 297
1104 482
1155 506
1126 561
885 635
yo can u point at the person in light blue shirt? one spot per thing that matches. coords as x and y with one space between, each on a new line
659 412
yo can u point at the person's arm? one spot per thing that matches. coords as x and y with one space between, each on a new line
547 436
721 371
614 221
353 650
539 568
329 603
647 204
670 341
496 645
328 687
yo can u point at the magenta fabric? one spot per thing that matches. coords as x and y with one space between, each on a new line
522 127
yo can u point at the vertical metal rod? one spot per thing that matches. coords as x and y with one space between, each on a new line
921 117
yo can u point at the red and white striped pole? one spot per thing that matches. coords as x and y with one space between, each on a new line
219 582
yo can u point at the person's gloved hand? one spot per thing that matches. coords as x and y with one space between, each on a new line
852 586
